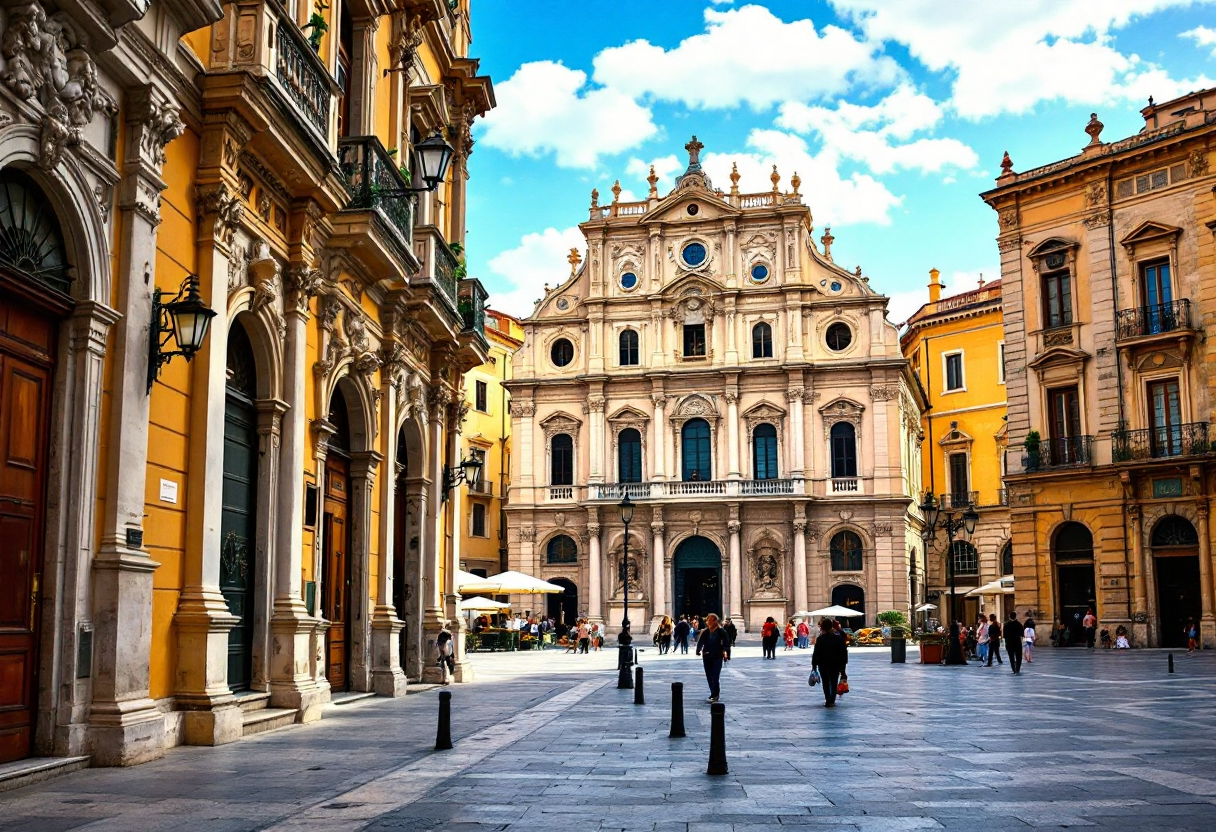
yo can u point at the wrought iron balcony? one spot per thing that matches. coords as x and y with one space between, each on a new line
960 500
1161 443
482 488
1059 452
1153 320
302 74
375 183
472 306
445 268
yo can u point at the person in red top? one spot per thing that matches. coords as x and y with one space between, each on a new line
804 635
769 634
789 634
1090 624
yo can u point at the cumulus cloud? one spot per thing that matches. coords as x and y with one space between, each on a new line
547 107
1008 57
1203 36
665 167
520 273
746 56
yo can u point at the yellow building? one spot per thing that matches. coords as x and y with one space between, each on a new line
207 548
487 436
957 349
1107 264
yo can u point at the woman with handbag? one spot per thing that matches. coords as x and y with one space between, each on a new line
830 658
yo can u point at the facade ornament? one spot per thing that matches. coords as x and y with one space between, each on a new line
1006 165
827 239
878 530
304 281
653 179
1003 246
147 202
334 350
734 179
327 312
438 399
159 123
1007 218
460 412
238 268
105 199
593 529
774 177
883 393
265 271
523 409
731 396
766 570
734 527
596 404
527 534
218 201
559 519
1095 194
356 330
1099 220
799 527
1197 163
813 530
794 394
1094 129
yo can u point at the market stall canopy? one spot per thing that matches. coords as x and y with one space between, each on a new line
478 604
833 612
511 583
463 579
926 607
1001 586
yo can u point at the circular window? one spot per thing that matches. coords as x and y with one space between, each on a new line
693 209
759 273
839 336
563 304
629 280
694 254
836 287
562 352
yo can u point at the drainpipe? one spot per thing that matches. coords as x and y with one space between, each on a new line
1128 566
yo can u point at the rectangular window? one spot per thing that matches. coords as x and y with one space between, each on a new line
481 394
960 481
1000 362
1065 417
479 520
1165 417
694 340
1057 299
1157 291
954 371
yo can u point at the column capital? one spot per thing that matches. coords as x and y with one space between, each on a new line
734 527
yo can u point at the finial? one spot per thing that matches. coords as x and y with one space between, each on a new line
574 259
616 191
652 179
981 280
827 239
734 178
1006 165
857 271
775 178
694 149
1094 129
595 198
796 181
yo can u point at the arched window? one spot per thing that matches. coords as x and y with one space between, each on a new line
1007 559
629 448
844 449
764 452
762 341
846 552
695 451
561 549
30 238
1074 542
629 348
561 469
1174 531
966 558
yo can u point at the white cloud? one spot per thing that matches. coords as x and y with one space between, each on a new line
1007 57
871 134
522 272
665 167
1203 37
547 107
746 56
833 199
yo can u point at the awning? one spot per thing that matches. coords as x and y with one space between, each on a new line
464 578
926 607
479 604
834 611
1001 586
510 583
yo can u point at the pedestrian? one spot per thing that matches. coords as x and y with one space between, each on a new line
994 640
443 646
584 636
981 639
694 624
789 634
1013 641
804 634
665 636
597 638
1090 624
731 630
1028 637
681 632
713 646
1192 636
830 658
769 634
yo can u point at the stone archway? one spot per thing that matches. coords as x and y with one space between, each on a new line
1176 574
697 566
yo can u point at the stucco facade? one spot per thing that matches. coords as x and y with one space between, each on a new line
1107 273
704 357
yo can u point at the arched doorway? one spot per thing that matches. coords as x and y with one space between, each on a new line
1176 569
335 546
563 608
238 517
1073 552
34 282
698 578
852 597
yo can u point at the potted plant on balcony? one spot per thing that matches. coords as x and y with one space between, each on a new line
1034 451
317 25
1121 443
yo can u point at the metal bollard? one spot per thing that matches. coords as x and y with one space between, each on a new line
717 739
677 710
443 737
1171 657
639 697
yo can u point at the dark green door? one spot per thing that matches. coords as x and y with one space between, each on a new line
237 521
698 578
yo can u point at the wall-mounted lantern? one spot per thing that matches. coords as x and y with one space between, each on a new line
185 320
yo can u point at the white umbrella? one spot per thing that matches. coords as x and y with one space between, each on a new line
463 579
512 583
834 611
926 607
479 604
1001 586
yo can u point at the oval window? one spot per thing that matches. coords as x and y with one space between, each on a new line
629 280
759 272
836 287
694 254
562 352
839 336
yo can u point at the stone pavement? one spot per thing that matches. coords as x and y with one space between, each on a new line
545 742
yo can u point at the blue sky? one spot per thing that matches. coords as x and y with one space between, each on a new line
894 113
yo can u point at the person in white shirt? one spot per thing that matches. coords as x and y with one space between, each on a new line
1028 639
981 639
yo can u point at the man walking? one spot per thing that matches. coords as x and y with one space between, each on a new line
713 646
1090 624
830 657
680 633
994 640
1013 641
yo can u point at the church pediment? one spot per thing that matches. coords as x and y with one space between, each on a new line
1149 231
560 422
690 206
763 412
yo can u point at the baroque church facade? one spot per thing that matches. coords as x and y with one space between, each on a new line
709 360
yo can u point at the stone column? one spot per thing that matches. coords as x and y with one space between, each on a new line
658 442
432 591
125 728
364 465
387 676
736 574
456 621
732 432
1207 621
598 468
595 576
800 590
658 588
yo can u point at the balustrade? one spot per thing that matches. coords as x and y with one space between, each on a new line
375 183
1188 439
1153 320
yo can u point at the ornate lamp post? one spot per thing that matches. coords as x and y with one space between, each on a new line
936 518
624 678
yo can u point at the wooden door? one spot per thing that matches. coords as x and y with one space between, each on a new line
26 353
237 521
335 568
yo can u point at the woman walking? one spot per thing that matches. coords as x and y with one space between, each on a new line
769 634
804 635
830 658
981 639
789 634
665 636
1028 639
713 646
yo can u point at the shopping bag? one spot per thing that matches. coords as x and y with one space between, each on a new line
814 678
843 687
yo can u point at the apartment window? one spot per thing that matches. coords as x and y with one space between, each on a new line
954 371
695 451
561 451
1064 405
1000 362
1057 299
762 341
960 480
846 552
966 558
629 447
694 340
480 395
629 348
843 437
764 452
479 520
1165 417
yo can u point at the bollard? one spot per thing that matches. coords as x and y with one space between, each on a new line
717 739
1171 655
639 697
677 710
443 737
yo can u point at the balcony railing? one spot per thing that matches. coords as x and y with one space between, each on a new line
482 488
844 485
1161 443
375 184
445 269
561 493
1060 452
301 73
1153 320
772 486
960 499
695 489
472 306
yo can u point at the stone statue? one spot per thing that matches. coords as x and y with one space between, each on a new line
766 571
694 149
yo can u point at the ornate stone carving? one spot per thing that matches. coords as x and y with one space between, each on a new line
238 268
327 312
1197 163
157 123
1008 245
559 423
356 330
523 409
1058 338
226 208
147 202
813 531
1007 218
734 527
1099 220
799 526
794 394
527 534
880 530
1095 194
460 412
883 393
304 281
840 410
593 529
265 270
596 404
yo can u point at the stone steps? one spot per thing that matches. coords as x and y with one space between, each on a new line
258 717
350 697
33 770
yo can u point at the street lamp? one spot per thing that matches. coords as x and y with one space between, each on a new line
185 320
937 518
624 678
469 470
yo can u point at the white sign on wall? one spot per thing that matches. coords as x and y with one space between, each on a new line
168 491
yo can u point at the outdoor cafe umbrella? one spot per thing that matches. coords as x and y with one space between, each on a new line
834 611
479 604
511 583
1001 586
464 579
926 607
